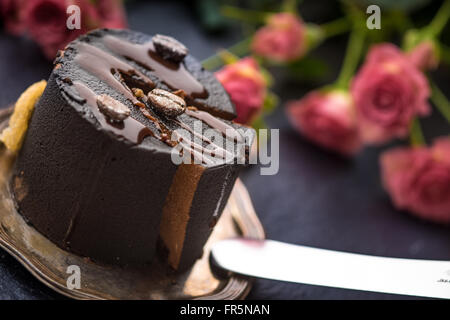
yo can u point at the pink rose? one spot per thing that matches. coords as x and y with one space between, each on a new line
424 56
246 86
389 91
327 118
11 15
282 39
418 179
47 22
112 14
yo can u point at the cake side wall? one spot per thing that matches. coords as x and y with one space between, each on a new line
87 191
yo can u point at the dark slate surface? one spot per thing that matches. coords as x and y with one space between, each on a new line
316 199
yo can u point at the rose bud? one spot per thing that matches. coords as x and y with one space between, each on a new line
418 179
246 86
282 39
389 91
425 56
327 118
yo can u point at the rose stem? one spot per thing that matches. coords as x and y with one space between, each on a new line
445 53
354 46
335 27
416 137
352 56
440 101
290 6
216 61
245 15
439 21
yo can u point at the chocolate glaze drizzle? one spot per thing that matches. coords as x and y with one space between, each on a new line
122 77
173 74
216 152
103 65
228 131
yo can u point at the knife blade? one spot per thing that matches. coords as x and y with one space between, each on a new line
295 263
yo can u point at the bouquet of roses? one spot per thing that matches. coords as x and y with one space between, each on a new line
45 21
380 101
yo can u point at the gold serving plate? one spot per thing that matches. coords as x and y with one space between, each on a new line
49 263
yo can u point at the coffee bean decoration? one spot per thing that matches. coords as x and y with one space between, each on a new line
166 103
112 108
169 48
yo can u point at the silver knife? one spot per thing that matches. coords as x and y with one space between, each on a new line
294 263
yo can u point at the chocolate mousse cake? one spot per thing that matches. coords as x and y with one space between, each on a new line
122 153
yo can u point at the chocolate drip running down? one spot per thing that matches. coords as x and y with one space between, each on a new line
216 152
228 131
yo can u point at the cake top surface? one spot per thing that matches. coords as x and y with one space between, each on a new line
149 92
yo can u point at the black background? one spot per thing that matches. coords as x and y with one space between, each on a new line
316 199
